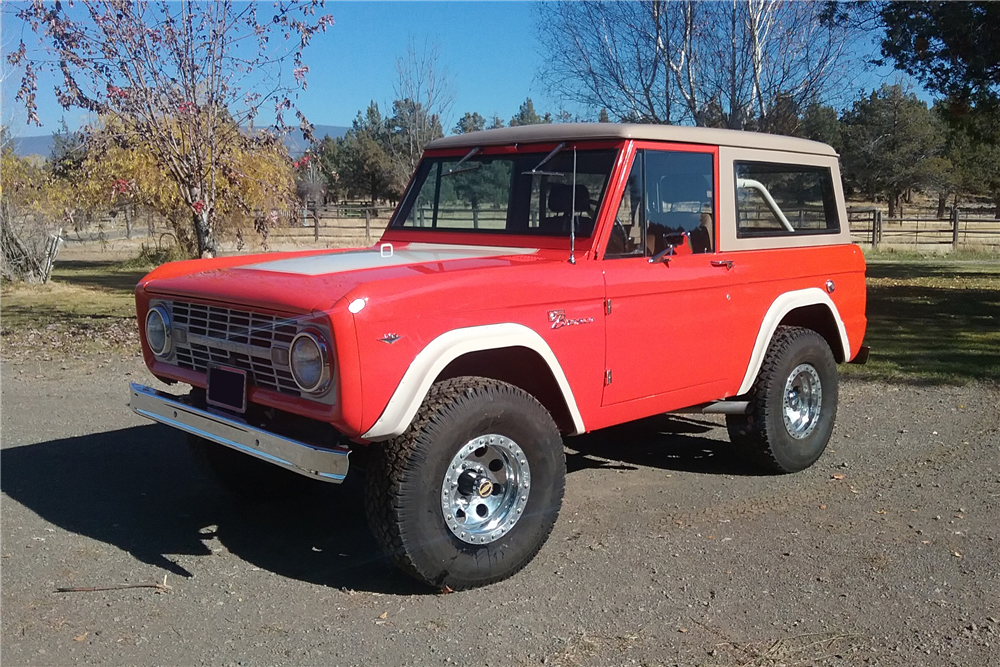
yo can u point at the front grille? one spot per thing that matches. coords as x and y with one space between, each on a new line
236 338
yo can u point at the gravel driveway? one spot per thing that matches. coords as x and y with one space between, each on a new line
886 552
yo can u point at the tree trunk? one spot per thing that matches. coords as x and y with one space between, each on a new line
893 203
203 232
942 204
996 213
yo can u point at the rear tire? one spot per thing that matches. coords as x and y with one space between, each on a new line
470 492
793 403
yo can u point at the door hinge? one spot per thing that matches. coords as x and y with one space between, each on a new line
607 377
607 306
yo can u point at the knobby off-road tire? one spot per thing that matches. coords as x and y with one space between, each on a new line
245 477
465 425
793 403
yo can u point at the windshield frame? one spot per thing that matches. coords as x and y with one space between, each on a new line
396 232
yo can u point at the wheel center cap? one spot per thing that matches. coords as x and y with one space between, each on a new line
470 482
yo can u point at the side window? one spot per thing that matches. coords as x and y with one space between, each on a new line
783 200
679 201
669 200
630 223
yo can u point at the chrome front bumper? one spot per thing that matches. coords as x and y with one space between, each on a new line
328 465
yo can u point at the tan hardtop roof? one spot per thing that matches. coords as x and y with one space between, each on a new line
549 132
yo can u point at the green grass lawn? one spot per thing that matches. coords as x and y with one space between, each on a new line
932 320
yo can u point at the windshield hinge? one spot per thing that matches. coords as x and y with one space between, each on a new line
607 377
607 306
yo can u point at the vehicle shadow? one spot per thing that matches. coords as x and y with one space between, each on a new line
667 442
140 490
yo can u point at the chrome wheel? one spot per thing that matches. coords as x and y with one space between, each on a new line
485 489
802 401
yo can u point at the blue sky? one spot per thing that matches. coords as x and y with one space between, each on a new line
489 49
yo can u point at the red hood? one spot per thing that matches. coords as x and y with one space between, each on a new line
314 281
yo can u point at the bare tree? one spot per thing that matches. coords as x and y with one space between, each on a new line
424 96
615 55
176 76
728 64
28 242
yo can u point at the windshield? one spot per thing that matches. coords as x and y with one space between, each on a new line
494 194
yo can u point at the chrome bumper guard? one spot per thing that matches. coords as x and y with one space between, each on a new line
328 465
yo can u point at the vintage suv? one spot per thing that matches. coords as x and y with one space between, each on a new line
533 283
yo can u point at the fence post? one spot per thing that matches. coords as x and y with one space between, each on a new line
368 226
876 228
954 228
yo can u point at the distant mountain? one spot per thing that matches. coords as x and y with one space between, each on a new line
296 145
39 145
42 144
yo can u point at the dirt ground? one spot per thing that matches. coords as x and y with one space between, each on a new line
666 553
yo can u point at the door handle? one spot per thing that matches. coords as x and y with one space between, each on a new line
728 263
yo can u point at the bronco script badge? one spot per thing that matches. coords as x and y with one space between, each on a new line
559 319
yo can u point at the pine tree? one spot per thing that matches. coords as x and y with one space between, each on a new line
471 121
526 115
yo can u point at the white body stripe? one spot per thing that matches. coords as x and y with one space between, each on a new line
783 305
447 347
373 258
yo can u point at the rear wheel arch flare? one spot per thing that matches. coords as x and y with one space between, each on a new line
801 303
820 319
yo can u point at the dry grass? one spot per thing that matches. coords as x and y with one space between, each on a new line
87 307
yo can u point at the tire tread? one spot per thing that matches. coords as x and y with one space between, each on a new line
392 461
749 431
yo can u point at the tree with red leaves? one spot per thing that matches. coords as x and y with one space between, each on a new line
175 76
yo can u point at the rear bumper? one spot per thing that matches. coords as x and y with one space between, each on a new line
326 464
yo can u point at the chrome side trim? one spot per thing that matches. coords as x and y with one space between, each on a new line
328 465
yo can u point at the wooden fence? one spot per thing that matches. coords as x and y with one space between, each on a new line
335 225
357 226
961 229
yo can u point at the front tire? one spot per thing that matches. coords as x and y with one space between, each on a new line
470 492
793 403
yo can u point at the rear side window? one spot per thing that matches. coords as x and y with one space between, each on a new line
784 200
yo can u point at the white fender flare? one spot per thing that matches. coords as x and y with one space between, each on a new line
783 305
447 347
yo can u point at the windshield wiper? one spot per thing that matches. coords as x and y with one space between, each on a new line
471 167
536 172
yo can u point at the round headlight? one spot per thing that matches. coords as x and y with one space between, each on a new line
307 360
158 330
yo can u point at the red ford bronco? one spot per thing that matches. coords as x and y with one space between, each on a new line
533 283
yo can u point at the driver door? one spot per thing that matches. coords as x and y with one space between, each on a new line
668 290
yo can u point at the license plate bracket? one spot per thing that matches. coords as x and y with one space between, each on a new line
227 388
